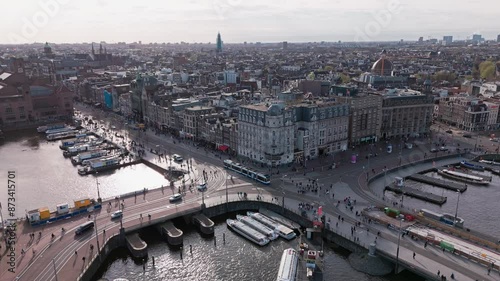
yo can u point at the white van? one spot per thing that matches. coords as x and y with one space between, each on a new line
177 157
389 148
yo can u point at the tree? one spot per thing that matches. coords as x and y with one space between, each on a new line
444 76
487 69
345 78
328 68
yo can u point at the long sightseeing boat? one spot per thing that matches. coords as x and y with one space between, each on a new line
62 135
258 226
76 160
288 265
248 232
471 166
43 129
463 177
99 164
279 228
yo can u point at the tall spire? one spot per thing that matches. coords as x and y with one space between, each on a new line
219 43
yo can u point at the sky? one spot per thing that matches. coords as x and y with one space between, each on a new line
75 21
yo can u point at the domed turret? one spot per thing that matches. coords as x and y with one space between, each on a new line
382 67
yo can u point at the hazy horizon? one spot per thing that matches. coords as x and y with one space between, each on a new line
198 21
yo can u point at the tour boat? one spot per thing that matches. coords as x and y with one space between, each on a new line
247 232
471 166
88 155
100 164
288 265
463 177
279 228
59 130
271 235
43 129
62 135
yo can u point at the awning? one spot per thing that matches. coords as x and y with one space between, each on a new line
223 147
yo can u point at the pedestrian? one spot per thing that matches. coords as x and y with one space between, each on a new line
439 272
76 252
413 255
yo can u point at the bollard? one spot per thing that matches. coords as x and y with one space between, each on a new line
153 261
215 241
191 249
224 238
181 253
144 266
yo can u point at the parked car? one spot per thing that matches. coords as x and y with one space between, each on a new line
174 198
449 131
467 136
434 150
442 148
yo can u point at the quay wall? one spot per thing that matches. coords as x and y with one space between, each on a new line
93 266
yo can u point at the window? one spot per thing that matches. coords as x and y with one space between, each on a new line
8 110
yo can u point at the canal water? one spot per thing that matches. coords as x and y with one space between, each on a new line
44 178
237 259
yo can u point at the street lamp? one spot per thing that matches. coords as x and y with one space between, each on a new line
283 191
456 210
97 239
98 192
397 251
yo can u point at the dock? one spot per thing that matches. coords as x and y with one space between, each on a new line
173 234
137 247
205 224
438 182
422 195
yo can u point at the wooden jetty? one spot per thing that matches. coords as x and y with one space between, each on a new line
438 182
413 192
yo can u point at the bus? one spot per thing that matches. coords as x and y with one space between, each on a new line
84 227
240 169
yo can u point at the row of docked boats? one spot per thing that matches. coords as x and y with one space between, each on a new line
259 228
91 166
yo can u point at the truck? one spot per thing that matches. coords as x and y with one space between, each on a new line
391 212
447 246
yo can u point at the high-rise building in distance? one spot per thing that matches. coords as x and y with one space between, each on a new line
447 39
285 45
219 43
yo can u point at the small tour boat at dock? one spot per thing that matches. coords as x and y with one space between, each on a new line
463 177
60 130
288 265
76 160
471 166
279 228
62 135
43 129
248 232
270 233
99 164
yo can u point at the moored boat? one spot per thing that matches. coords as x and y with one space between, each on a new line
59 130
63 135
288 265
248 232
43 129
471 166
99 164
270 233
463 177
88 155
279 228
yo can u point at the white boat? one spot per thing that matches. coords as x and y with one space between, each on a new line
62 135
248 232
79 139
279 228
270 233
288 265
99 164
59 130
43 129
88 155
463 177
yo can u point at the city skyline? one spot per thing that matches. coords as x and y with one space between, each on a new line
62 21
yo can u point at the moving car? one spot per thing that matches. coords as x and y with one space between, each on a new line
202 187
117 214
442 148
175 197
177 157
449 132
467 136
434 150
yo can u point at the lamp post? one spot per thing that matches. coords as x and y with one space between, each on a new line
397 251
55 269
456 209
227 200
283 191
98 192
